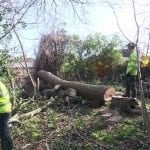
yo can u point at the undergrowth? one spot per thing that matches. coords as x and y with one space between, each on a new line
77 127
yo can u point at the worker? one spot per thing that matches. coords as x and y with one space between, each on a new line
131 71
5 110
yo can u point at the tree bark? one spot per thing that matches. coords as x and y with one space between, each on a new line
96 93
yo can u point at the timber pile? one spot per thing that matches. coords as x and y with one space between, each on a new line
96 95
59 92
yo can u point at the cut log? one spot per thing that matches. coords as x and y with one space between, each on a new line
71 92
95 93
57 87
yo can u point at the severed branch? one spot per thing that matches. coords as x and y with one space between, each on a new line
17 118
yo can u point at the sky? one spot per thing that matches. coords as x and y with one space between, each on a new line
96 18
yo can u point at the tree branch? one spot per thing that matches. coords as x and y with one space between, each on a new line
18 21
117 20
74 9
27 69
16 117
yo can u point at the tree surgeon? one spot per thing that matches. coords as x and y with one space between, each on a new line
131 71
5 110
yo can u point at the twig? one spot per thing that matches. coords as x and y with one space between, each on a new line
14 25
117 20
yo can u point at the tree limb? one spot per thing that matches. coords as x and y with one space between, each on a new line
18 21
17 118
27 69
117 20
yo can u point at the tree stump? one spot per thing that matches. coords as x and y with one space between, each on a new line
124 105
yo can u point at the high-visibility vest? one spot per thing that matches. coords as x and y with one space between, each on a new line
5 105
132 67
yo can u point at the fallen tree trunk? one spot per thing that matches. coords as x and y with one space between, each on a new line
97 94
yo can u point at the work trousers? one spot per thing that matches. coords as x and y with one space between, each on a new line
6 140
131 85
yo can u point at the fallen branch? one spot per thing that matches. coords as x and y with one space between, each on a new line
17 117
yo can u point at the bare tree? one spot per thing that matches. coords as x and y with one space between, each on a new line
13 12
142 98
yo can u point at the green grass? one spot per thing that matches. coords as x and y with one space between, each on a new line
128 128
85 129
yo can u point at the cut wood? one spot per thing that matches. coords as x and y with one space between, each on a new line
97 94
71 92
57 87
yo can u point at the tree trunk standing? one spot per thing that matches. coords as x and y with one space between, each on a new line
97 94
143 103
145 114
